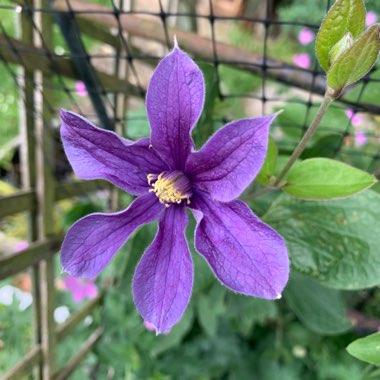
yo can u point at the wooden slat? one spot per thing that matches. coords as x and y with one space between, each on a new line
28 165
19 261
99 33
26 200
201 46
69 325
45 191
24 366
78 188
74 362
21 201
34 58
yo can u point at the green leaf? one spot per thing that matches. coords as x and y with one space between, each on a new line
366 349
343 17
139 127
210 307
237 81
323 178
369 93
269 165
326 146
245 312
79 210
205 124
356 61
336 241
319 308
164 343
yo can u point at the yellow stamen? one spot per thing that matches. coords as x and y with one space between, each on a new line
170 187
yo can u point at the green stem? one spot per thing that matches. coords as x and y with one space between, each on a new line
307 136
327 100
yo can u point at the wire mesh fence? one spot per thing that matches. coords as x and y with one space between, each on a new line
95 58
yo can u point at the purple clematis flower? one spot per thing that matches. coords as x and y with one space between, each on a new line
167 175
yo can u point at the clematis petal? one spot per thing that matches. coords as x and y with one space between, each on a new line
174 102
231 159
93 240
164 276
245 254
97 153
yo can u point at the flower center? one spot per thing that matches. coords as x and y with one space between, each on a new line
170 187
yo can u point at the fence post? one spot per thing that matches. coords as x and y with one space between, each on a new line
28 169
45 194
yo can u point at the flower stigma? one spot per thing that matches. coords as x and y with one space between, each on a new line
170 187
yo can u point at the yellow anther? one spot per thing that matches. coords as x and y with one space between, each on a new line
170 187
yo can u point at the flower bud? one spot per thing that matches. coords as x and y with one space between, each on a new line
341 46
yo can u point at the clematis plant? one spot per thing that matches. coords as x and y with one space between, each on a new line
167 175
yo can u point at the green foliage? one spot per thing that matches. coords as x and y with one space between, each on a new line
369 94
79 210
210 307
280 46
322 178
334 241
355 61
366 349
137 125
266 172
205 124
15 333
325 146
238 82
321 309
309 11
9 112
345 16
296 117
245 313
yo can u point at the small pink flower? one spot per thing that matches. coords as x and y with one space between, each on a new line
81 288
355 119
21 245
371 18
149 326
80 89
360 138
305 36
302 60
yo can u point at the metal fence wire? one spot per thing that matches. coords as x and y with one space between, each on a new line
52 52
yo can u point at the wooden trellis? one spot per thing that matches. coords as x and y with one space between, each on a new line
39 194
